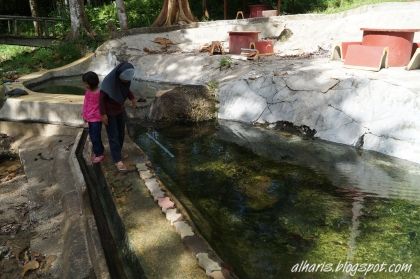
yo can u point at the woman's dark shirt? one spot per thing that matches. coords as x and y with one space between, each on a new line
110 107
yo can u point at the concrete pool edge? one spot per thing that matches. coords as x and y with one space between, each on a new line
43 107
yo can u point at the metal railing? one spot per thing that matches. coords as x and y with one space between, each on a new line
41 27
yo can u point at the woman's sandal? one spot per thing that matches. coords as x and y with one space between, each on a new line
121 167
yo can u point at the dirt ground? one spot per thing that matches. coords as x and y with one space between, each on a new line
16 258
14 219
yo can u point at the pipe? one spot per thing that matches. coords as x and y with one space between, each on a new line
161 146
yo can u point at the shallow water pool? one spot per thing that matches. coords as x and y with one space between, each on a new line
272 203
73 85
64 85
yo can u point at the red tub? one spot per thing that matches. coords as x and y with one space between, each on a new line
241 39
398 41
264 47
256 10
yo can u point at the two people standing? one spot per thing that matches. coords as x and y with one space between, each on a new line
109 106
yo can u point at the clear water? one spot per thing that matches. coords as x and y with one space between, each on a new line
267 201
63 85
73 85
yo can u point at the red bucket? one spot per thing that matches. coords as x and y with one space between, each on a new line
264 46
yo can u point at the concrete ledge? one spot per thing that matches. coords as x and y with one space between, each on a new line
40 108
95 250
63 225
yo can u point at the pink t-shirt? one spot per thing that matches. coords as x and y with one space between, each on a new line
91 111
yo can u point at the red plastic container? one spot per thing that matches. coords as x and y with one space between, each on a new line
398 41
345 46
241 39
264 46
256 10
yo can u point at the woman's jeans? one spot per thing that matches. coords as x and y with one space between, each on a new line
95 137
116 132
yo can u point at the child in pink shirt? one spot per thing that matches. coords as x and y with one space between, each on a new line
91 114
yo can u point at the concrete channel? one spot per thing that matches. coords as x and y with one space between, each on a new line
121 263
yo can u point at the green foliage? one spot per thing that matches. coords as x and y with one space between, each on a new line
69 52
102 18
24 60
225 63
8 51
213 85
142 12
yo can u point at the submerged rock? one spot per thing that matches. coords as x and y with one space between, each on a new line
17 92
302 130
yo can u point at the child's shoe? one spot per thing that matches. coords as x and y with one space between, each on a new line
97 159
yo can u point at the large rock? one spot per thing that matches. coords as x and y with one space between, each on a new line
183 103
5 142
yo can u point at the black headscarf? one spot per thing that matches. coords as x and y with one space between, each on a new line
113 86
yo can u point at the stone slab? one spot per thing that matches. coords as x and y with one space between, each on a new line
196 244
172 215
208 264
165 203
146 174
183 228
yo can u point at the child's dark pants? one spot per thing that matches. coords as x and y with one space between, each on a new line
95 137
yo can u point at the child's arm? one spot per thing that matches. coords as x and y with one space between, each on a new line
102 108
84 109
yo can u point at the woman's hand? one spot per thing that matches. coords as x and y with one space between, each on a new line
133 103
105 119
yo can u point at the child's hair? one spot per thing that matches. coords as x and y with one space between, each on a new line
91 79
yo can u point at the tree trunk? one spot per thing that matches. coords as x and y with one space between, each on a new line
34 13
122 16
174 12
279 7
225 8
75 20
78 18
205 10
83 18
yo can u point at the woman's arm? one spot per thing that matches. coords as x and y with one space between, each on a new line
102 110
132 99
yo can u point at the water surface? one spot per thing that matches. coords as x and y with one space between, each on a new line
74 85
267 201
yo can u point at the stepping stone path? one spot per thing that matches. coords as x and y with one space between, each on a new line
196 244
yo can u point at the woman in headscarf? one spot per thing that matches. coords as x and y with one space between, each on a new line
115 90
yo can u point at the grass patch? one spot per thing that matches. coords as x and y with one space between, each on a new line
340 6
24 60
8 52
